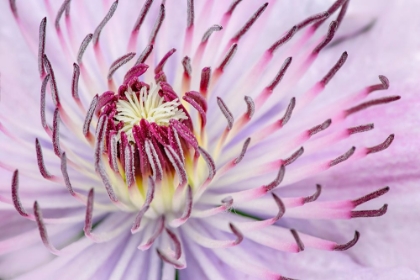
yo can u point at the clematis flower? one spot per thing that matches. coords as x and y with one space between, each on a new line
202 139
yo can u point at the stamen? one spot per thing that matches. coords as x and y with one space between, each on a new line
135 72
101 130
227 203
176 242
334 7
319 128
342 13
185 133
144 55
280 74
13 7
101 25
287 115
15 195
250 107
112 152
40 160
56 133
382 86
299 242
187 210
186 63
283 40
60 13
371 103
226 112
119 62
277 180
177 164
210 31
158 24
198 107
360 128
228 57
197 97
233 6
242 154
43 230
370 196
159 229
334 70
154 160
142 15
129 166
41 48
239 235
177 264
83 47
89 115
75 82
311 19
249 23
349 244
190 13
160 65
137 222
150 192
89 210
343 157
54 90
42 108
205 80
314 196
105 180
293 157
66 174
210 163
369 213
382 146
330 35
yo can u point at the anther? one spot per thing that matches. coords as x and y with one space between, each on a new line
89 210
288 113
384 85
210 31
43 230
186 63
371 103
314 196
250 106
176 242
228 57
178 165
155 235
89 115
187 209
233 6
83 47
105 180
15 195
137 222
280 205
299 242
190 13
369 213
198 107
226 112
41 48
66 174
360 128
334 7
334 70
280 74
135 72
205 80
170 260
242 154
319 128
60 12
293 157
54 90
13 8
129 166
144 55
160 65
75 82
370 196
343 157
312 19
384 145
142 15
277 181
40 161
42 103
157 25
210 163
342 12
330 35
239 235
56 133
283 39
119 62
249 23
101 25
349 244
197 97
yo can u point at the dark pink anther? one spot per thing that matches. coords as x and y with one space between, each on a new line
349 244
249 23
170 260
343 157
312 19
280 205
157 25
280 74
186 63
239 235
105 180
15 195
187 209
293 157
197 97
334 70
250 107
205 80
144 55
60 12
135 72
101 25
210 31
83 47
330 35
371 103
177 164
382 86
233 6
342 12
334 7
198 107
142 15
160 65
176 242
277 181
210 163
54 90
384 145
243 151
41 48
299 242
360 128
65 174
75 82
119 62
40 161
228 57
288 114
226 112
369 213
314 196
282 40
56 133
318 128
370 196
89 115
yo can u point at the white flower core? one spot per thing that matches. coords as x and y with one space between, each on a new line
147 105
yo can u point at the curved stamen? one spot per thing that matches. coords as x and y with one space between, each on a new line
176 242
60 13
187 210
205 80
43 230
135 72
242 154
42 103
227 203
118 63
66 174
105 180
299 242
343 157
370 196
319 128
89 115
334 70
283 40
40 161
210 31
186 63
158 231
101 25
280 74
41 48
277 180
241 32
334 7
384 85
311 19
144 55
56 133
129 166
349 244
371 103
157 25
228 57
293 157
226 112
15 195
384 145
176 263
250 107
54 90
288 114
314 196
369 213
210 163
83 47
330 35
